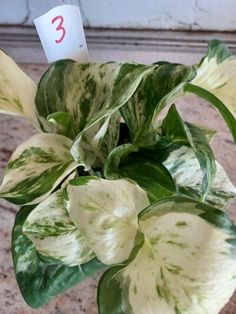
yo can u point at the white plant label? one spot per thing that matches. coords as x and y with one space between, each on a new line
62 35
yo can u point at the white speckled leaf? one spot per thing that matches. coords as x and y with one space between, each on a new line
120 88
83 91
17 90
106 212
213 81
185 169
218 77
54 235
178 269
36 167
138 111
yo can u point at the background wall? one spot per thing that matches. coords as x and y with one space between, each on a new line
216 15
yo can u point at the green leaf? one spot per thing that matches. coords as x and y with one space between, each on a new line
184 167
63 123
36 168
139 110
117 157
179 132
105 211
54 235
176 270
40 280
217 50
154 178
126 161
113 304
174 129
17 90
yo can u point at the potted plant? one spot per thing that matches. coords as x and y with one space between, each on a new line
107 185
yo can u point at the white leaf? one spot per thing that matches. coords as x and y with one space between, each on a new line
17 90
106 212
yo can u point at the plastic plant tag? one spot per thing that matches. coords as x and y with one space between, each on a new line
62 35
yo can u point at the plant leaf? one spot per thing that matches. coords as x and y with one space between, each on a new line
122 88
81 91
185 169
36 168
17 91
63 123
117 157
40 280
105 211
176 270
139 110
227 114
179 132
126 162
53 234
213 81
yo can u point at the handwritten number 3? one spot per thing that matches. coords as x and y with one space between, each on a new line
59 28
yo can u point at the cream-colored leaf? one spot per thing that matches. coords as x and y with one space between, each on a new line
17 90
219 79
186 264
106 212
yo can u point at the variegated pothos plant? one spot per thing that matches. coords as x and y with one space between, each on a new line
106 184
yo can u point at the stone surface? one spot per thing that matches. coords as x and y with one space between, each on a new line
82 298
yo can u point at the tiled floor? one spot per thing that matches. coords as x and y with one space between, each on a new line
82 298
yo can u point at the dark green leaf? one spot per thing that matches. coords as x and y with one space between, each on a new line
63 124
110 286
179 132
127 162
154 178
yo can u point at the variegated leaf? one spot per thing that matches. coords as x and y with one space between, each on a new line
139 110
106 212
178 269
36 168
217 74
94 146
39 278
213 81
175 130
80 92
54 235
122 88
151 176
185 169
17 90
